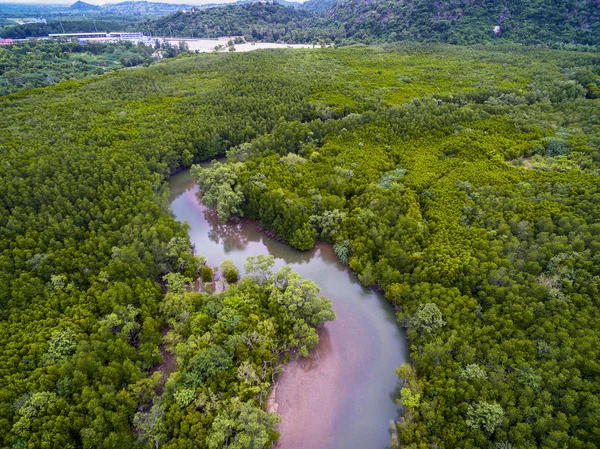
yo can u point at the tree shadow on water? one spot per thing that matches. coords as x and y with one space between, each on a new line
230 235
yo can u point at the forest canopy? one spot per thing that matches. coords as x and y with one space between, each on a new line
40 63
461 181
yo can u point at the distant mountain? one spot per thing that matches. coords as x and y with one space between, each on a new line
246 2
149 8
143 8
83 6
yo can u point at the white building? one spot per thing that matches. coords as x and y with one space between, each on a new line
100 37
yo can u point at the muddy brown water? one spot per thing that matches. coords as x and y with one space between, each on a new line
343 395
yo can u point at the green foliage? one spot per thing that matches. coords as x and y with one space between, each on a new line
255 21
499 235
213 361
327 224
408 399
545 22
483 257
176 282
229 346
464 22
31 408
206 273
61 345
427 319
259 267
231 275
473 372
342 250
150 425
556 146
218 187
244 426
485 416
503 445
301 308
388 179
230 272
40 63
184 396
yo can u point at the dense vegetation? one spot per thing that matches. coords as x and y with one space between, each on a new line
143 8
78 18
229 347
85 240
317 5
553 23
75 25
463 182
475 208
547 22
40 63
255 21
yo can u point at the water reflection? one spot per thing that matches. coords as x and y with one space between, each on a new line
179 184
228 234
343 395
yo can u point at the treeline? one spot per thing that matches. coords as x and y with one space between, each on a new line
40 63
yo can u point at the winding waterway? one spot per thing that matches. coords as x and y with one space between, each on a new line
343 395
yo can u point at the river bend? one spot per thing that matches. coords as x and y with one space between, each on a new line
343 395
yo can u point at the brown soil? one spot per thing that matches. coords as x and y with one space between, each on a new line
308 392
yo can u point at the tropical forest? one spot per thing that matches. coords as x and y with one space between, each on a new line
442 179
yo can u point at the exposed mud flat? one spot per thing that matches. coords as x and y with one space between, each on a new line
309 387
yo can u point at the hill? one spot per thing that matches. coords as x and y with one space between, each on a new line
258 21
466 22
532 22
83 6
544 22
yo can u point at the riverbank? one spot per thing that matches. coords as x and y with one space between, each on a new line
306 388
342 396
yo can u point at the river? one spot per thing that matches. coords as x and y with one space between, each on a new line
343 395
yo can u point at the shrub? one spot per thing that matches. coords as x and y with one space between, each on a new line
206 273
232 276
